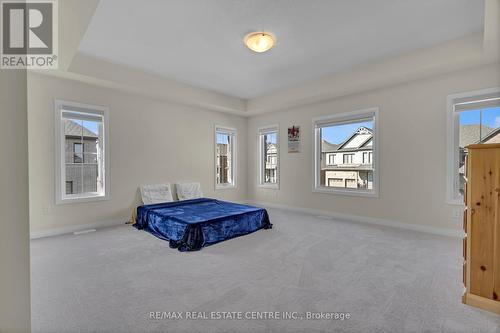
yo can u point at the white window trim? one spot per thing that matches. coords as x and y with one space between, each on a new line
60 184
234 132
452 127
316 151
261 131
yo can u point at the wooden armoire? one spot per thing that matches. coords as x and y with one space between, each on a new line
481 244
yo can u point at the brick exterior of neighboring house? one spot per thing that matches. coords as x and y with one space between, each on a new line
82 169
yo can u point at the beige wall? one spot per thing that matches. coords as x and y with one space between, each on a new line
412 151
151 141
14 223
155 141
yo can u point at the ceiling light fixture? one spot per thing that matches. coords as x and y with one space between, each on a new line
259 41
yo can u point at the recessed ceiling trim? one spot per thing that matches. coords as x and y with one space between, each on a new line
200 43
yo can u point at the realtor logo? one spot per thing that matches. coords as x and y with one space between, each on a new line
29 34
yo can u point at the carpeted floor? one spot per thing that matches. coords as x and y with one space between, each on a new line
388 280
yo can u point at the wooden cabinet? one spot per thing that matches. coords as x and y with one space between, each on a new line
482 227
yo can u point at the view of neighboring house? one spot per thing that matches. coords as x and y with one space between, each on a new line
473 134
348 164
271 163
82 170
223 167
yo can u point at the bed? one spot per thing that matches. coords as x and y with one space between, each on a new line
192 224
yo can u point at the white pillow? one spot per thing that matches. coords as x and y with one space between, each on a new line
158 193
186 191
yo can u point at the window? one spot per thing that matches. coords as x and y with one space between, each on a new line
77 152
331 159
82 154
269 156
348 158
367 157
225 157
354 136
271 159
69 187
473 118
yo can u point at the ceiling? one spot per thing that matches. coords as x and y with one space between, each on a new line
199 42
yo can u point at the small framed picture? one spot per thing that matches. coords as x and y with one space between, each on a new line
294 139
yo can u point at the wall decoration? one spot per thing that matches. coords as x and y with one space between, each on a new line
294 139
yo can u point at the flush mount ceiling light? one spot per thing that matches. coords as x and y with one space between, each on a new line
259 41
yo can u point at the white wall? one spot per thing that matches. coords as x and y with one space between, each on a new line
412 151
151 141
14 221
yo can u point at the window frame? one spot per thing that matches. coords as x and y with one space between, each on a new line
452 177
338 119
261 132
60 172
234 133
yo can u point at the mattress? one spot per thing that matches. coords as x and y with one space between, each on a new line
192 224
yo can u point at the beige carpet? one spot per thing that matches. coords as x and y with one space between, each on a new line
388 280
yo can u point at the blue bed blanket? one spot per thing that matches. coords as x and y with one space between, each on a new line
192 224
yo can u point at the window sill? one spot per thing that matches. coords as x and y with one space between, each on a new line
225 187
270 186
352 193
73 200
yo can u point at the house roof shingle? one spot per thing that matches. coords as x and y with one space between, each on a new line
493 136
469 134
327 147
72 128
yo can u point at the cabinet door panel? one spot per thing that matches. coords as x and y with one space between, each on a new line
483 170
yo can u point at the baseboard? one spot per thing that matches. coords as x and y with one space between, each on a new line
458 233
75 228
